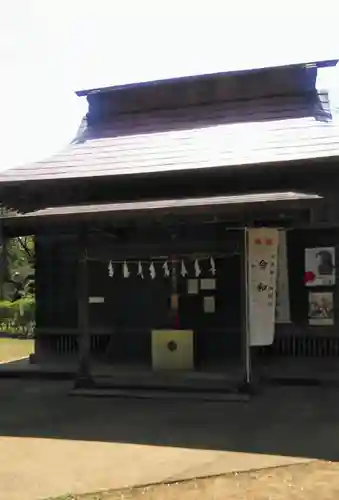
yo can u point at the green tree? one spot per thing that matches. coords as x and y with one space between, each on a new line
16 264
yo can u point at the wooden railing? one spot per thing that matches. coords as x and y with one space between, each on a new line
68 345
303 346
294 346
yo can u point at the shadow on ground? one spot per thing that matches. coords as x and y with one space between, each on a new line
291 421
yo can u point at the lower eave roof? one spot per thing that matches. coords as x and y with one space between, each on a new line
152 208
171 205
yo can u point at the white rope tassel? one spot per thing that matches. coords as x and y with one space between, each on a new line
140 270
152 271
197 268
166 269
213 269
110 269
125 271
183 270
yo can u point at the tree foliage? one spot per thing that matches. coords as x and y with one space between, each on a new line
17 304
20 254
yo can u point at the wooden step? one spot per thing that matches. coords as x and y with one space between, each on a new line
161 394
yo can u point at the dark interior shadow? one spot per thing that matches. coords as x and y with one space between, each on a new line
289 421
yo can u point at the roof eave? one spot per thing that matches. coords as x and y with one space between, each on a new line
202 207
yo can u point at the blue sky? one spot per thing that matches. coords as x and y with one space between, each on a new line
49 48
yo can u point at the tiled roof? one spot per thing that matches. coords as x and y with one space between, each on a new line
219 135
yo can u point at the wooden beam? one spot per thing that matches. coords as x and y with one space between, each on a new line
83 377
246 386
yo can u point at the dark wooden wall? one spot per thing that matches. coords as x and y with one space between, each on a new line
56 282
133 307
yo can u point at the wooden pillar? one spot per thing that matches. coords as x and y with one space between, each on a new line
174 306
83 377
247 364
3 260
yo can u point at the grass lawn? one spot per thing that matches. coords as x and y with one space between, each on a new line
11 349
312 481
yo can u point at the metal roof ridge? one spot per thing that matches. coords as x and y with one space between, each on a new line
169 80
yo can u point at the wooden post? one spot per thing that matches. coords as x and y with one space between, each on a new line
3 260
247 382
175 318
83 377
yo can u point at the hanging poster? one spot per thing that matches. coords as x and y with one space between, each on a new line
320 308
262 280
282 307
320 266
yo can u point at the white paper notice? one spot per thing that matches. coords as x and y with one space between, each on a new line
96 300
192 286
209 305
262 282
207 284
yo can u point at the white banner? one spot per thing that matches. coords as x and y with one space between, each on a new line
282 308
262 280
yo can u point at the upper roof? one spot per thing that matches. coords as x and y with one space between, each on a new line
219 135
220 121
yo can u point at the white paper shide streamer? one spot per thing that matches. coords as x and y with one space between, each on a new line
152 271
212 268
125 270
140 272
183 270
166 269
197 269
110 269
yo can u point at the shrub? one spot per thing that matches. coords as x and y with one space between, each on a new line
7 313
18 316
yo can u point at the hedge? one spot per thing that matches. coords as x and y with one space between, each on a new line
18 316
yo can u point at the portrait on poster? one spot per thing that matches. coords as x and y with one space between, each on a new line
320 266
320 308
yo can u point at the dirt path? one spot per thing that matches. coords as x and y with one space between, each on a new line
53 444
312 481
12 349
